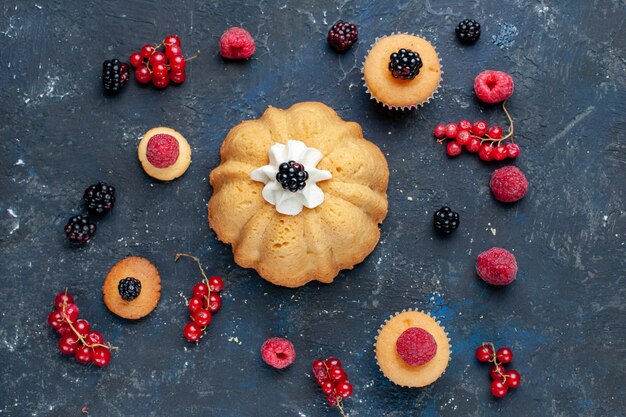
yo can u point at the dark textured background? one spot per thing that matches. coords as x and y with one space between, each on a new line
564 316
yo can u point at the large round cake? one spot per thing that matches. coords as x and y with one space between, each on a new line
299 194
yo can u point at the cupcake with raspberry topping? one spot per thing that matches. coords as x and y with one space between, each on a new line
164 153
412 349
402 71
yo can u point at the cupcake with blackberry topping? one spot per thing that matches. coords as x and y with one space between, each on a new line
412 349
402 71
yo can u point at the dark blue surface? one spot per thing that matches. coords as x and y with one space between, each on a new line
563 317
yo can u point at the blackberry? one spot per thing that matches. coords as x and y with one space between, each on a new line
99 198
446 220
129 288
468 31
405 64
114 75
292 176
79 229
343 35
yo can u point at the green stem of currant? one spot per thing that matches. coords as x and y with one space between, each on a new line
494 360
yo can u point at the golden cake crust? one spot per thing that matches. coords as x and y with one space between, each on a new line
317 243
396 92
148 298
392 365
173 171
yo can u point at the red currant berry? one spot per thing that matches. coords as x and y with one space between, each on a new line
147 51
451 130
499 153
178 77
72 312
498 389
82 327
157 58
64 329
161 82
171 40
200 290
484 353
101 356
463 137
495 132
172 51
136 59
504 355
484 152
216 284
512 150
440 131
55 319
473 145
143 75
344 389
83 355
337 374
178 63
453 148
327 387
94 338
496 372
192 332
202 318
215 302
480 128
465 125
195 304
69 343
330 362
61 299
159 71
513 378
331 400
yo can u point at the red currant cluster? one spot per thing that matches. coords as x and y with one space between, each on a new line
502 379
161 67
205 301
77 338
478 137
333 380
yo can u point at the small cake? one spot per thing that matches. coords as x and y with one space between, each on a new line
412 349
299 194
132 288
401 71
164 153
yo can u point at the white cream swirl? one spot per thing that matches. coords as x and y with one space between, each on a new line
287 202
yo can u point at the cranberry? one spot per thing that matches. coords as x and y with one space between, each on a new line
484 353
504 355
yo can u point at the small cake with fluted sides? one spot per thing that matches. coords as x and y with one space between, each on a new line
299 194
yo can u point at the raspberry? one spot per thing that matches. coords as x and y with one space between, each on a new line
416 346
162 150
493 86
236 43
508 184
496 266
278 352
